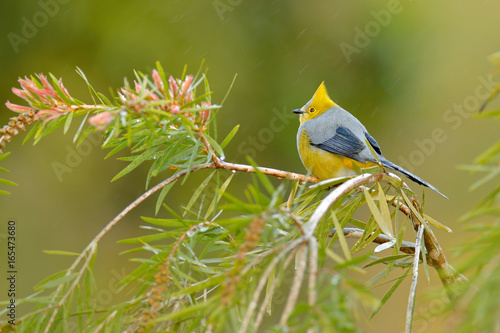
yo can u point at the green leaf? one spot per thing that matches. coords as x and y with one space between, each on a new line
84 121
391 291
208 283
230 87
207 89
105 100
413 209
489 154
61 253
172 223
198 191
387 259
189 311
33 130
229 137
438 224
216 147
263 178
218 196
4 156
147 239
351 263
163 194
67 123
168 157
49 127
92 91
384 208
84 135
7 182
334 256
115 150
495 171
190 162
381 222
135 163
341 236
55 280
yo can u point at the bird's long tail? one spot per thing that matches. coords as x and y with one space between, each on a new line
408 174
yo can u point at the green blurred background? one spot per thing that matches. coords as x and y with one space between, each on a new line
411 71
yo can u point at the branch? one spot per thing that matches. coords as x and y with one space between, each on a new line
451 279
406 247
300 270
414 280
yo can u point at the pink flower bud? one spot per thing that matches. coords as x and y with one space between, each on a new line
64 90
122 97
175 108
101 120
173 87
46 84
20 93
157 80
17 108
138 87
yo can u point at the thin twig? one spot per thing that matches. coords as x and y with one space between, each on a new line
406 247
313 271
414 280
267 171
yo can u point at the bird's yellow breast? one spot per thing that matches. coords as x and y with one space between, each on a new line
323 164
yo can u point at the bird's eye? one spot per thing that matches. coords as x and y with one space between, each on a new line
311 110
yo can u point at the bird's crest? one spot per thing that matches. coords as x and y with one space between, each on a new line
321 101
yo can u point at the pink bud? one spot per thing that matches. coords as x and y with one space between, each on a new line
138 87
158 81
175 108
205 113
64 90
19 93
46 84
122 98
173 87
185 85
101 120
17 108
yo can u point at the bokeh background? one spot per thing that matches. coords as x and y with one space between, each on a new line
412 71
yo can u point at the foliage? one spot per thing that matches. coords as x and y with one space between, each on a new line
264 256
482 309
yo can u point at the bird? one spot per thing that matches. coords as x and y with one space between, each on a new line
330 141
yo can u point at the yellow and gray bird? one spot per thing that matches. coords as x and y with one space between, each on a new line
330 141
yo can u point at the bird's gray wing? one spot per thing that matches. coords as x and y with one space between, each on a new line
344 143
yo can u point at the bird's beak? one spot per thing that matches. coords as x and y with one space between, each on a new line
298 111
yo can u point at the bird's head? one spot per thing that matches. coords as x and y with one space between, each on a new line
316 106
